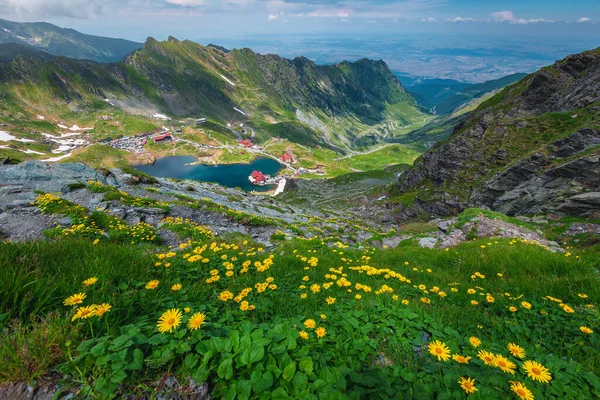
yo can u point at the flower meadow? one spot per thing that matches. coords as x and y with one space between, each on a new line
312 318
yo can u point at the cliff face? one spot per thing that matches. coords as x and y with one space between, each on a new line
532 148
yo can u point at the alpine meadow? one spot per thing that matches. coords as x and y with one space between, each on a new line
307 199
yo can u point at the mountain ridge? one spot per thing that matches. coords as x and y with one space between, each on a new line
296 98
507 154
65 42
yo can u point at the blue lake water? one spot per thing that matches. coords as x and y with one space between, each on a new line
228 175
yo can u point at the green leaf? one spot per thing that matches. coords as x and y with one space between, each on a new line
118 376
98 349
138 360
256 354
261 381
121 341
289 371
279 394
191 360
306 365
300 381
225 370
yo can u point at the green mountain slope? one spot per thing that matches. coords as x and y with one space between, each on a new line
315 105
10 51
445 96
65 42
534 147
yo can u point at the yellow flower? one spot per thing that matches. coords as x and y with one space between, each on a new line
323 316
330 300
521 391
358 297
196 321
169 320
101 309
187 310
315 288
526 305
405 302
440 350
460 359
90 281
96 241
75 299
225 295
176 287
489 298
504 364
320 332
468 384
516 350
303 295
303 335
475 342
471 291
84 312
152 284
568 309
310 323
474 302
583 295
425 300
537 371
585 329
487 357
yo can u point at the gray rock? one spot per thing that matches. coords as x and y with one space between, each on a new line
428 242
65 221
445 225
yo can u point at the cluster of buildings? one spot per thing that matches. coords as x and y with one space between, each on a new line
132 144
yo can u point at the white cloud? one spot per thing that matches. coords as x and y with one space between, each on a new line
461 19
187 3
331 12
508 17
272 17
53 8
584 19
430 20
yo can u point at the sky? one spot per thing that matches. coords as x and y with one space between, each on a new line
437 37
194 19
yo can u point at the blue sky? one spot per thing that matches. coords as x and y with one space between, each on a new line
194 19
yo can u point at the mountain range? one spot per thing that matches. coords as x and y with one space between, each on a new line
295 98
65 42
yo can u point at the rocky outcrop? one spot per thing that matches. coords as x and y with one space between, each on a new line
511 155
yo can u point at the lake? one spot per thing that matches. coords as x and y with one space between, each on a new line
228 175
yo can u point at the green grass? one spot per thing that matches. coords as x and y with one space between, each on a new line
37 277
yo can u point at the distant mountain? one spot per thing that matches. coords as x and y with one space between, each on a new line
444 96
65 42
532 148
296 99
10 51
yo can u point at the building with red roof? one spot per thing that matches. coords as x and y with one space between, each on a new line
257 177
162 137
287 157
247 143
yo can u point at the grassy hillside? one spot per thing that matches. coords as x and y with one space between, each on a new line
311 318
